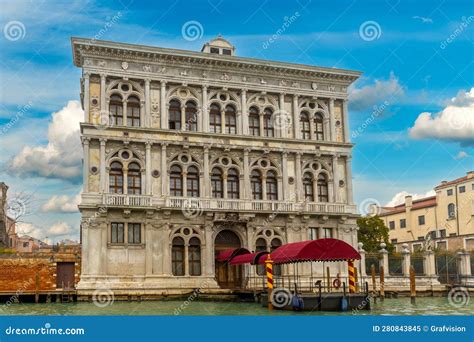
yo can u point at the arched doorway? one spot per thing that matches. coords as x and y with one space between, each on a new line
227 276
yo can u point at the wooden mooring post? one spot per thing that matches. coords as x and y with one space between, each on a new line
382 283
37 287
412 285
374 285
328 278
269 271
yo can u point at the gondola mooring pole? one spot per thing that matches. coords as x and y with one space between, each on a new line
269 269
350 268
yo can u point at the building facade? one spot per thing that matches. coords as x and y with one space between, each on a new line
441 222
190 153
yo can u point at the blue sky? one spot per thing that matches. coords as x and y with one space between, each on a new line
416 58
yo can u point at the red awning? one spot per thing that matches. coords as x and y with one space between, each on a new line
228 254
250 258
314 250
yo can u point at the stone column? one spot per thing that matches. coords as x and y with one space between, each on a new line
103 104
464 264
104 227
209 251
296 118
345 119
166 249
384 254
335 175
164 171
429 263
332 122
264 187
124 114
102 173
184 122
148 249
206 171
362 270
86 99
147 121
85 246
284 166
163 106
298 180
350 199
245 115
247 190
186 259
85 169
406 262
148 145
312 128
262 131
204 110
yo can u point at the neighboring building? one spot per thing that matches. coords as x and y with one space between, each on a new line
28 244
440 222
7 224
190 153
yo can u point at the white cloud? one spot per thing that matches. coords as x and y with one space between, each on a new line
23 228
61 157
461 155
454 123
59 229
400 197
64 204
379 92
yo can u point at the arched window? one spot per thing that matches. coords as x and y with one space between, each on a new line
260 246
133 111
176 181
134 180
174 115
177 256
451 210
191 116
305 127
318 127
194 256
116 178
116 110
308 187
230 120
268 130
256 184
272 186
322 188
254 122
217 183
233 184
215 119
192 182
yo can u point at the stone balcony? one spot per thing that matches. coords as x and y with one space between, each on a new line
214 204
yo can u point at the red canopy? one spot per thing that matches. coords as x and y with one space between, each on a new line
250 258
228 254
314 250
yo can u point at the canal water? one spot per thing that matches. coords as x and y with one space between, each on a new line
398 306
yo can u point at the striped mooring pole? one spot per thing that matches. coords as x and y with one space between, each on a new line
350 268
269 269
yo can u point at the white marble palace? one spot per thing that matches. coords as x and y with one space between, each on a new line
190 153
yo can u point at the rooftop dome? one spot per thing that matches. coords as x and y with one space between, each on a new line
219 46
